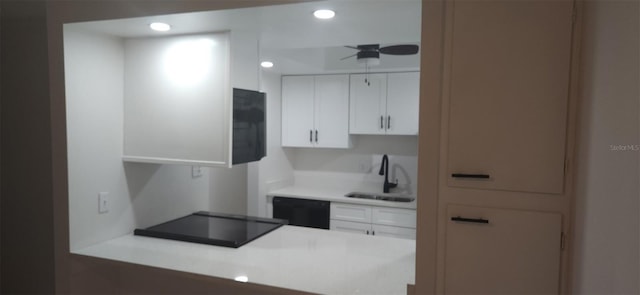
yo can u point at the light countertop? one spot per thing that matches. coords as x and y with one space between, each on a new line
336 195
299 258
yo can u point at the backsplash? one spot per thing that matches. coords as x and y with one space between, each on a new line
357 168
357 159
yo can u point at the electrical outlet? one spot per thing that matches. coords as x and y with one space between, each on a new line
196 171
103 202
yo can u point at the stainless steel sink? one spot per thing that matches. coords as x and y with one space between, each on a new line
384 197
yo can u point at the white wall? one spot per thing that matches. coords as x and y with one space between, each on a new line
363 160
606 258
228 189
140 194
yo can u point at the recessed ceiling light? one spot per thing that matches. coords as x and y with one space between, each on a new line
160 27
266 64
324 13
243 279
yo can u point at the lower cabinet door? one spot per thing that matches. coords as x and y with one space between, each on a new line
394 217
351 227
350 212
393 231
497 251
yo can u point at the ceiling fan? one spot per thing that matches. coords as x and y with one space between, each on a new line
369 54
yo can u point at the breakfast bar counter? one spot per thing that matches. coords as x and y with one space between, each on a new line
297 258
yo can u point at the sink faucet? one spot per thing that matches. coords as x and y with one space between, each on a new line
384 170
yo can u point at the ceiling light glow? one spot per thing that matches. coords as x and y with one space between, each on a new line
243 279
266 64
160 27
188 62
324 14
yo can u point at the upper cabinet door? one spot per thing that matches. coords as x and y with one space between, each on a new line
509 87
331 111
297 111
367 113
403 95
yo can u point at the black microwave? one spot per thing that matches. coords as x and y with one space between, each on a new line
249 126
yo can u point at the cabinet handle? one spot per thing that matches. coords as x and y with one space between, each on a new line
316 136
381 122
367 232
388 122
373 233
472 220
464 175
310 135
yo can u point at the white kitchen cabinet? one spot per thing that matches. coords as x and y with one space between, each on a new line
177 110
350 227
403 96
393 216
350 212
386 104
373 220
373 229
393 231
499 251
367 111
297 110
508 97
315 111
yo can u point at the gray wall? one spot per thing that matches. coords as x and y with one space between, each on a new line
606 257
35 251
27 251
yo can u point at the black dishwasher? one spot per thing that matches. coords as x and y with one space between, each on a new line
302 212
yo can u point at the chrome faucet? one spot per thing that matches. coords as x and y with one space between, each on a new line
384 170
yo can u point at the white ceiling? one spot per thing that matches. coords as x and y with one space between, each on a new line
292 38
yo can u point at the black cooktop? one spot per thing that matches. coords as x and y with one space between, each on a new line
213 229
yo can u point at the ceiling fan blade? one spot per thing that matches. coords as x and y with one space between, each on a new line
369 47
405 49
349 56
353 47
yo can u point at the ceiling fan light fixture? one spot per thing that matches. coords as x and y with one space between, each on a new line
324 14
369 58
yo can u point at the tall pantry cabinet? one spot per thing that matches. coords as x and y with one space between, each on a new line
504 189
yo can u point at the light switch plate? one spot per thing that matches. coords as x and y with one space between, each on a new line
103 202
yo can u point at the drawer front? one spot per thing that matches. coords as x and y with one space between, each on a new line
393 231
394 217
350 212
351 227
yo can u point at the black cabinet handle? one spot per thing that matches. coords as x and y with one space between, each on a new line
316 136
310 135
367 232
381 122
464 175
388 122
472 220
